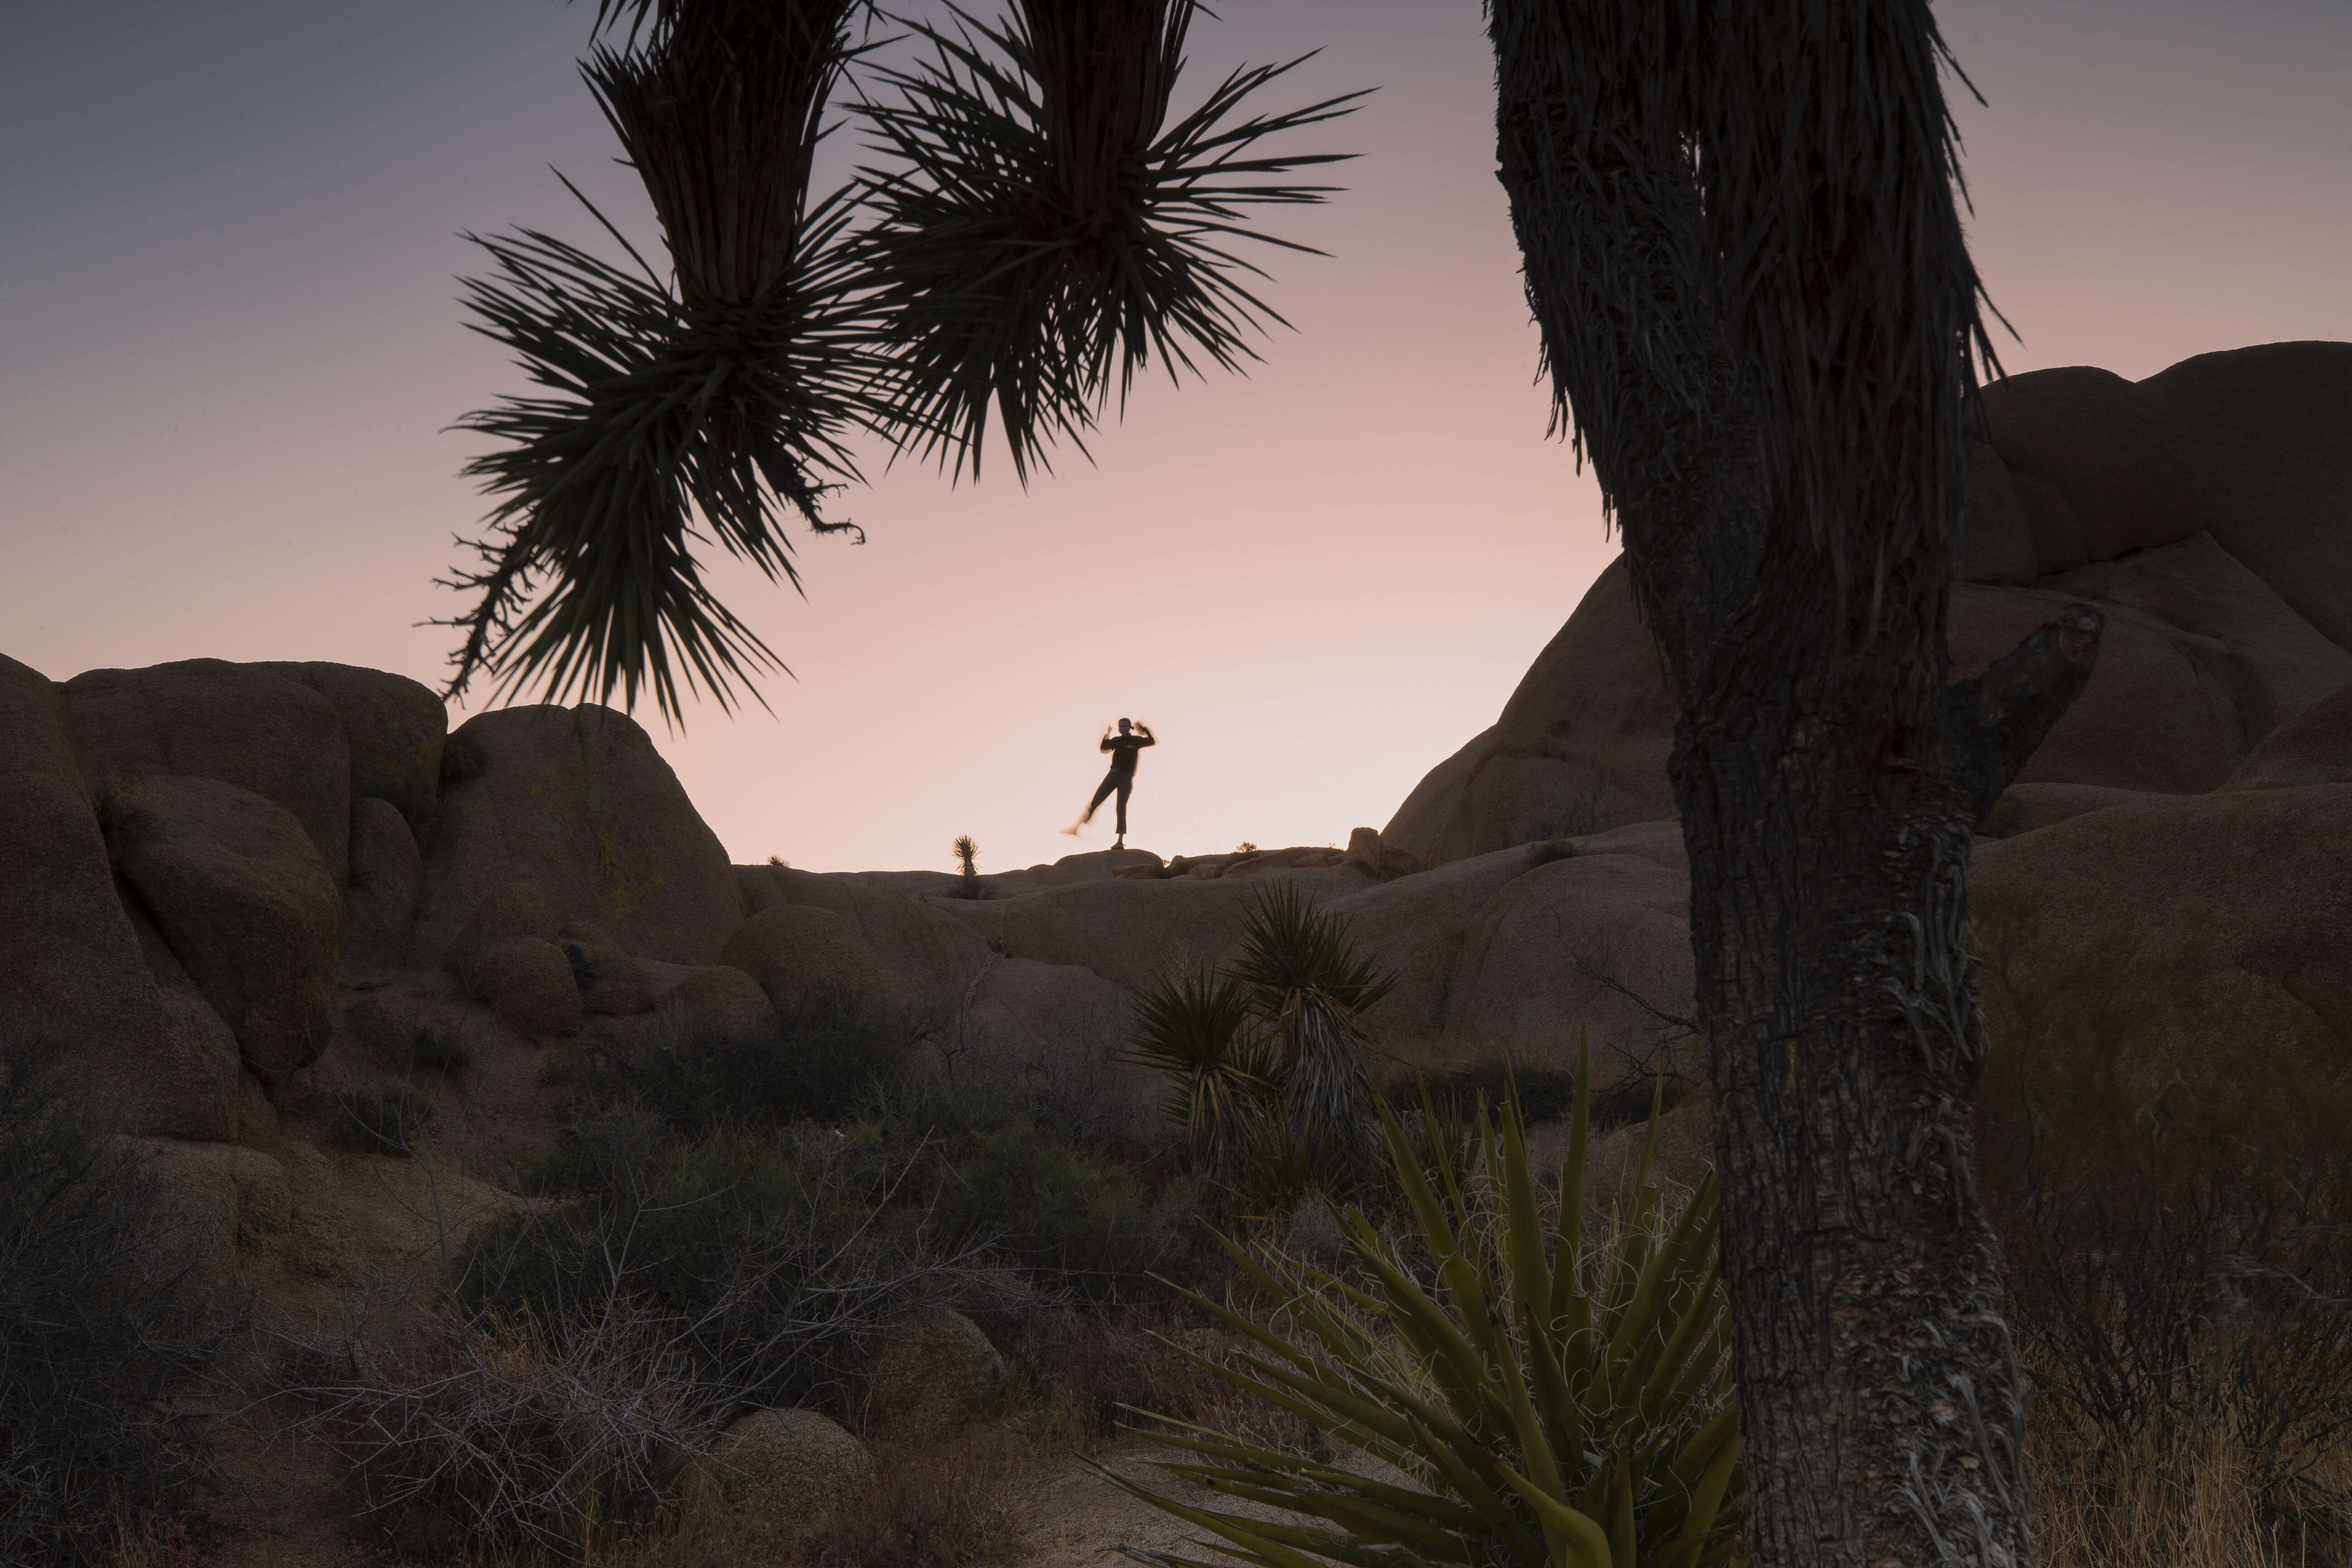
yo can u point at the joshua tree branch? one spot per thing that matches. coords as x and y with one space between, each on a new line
2000 717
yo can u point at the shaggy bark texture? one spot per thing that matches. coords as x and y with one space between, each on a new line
1741 247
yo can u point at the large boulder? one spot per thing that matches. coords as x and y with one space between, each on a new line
379 894
1128 930
576 803
932 1373
242 724
928 953
2199 659
801 954
1580 746
242 897
2202 511
773 1477
2171 969
1596 943
393 726
612 982
2312 747
2266 432
2100 468
71 972
528 984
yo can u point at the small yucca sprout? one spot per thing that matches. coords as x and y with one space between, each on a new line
967 854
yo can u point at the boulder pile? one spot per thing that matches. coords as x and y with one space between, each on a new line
236 892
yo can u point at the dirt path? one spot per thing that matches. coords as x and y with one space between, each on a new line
1077 1519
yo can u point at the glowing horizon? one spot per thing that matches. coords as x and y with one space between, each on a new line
232 342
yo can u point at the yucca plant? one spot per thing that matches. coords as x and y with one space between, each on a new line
1047 220
699 402
1310 986
967 854
1198 1027
1050 217
1552 1404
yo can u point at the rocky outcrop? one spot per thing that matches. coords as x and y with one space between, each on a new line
242 724
243 899
802 956
2200 510
2170 969
932 954
612 981
393 731
72 977
576 803
528 984
379 894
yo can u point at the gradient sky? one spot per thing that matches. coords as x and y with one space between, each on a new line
230 345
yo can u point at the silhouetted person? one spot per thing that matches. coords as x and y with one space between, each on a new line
1122 747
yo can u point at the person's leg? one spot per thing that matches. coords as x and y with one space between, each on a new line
1110 782
1126 788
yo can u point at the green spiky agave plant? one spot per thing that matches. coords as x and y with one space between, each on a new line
1551 1405
1312 986
1049 219
680 408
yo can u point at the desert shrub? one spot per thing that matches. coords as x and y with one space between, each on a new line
2189 1345
1137 1357
824 1059
440 1052
1546 851
100 1322
1544 1093
1059 1206
777 1253
383 1118
505 1434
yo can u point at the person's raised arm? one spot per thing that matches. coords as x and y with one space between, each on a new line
1145 730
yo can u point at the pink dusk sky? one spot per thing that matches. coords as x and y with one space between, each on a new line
230 346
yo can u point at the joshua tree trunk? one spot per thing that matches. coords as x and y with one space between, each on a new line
1758 315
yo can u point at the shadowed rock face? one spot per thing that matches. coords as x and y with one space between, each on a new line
576 803
242 898
2206 512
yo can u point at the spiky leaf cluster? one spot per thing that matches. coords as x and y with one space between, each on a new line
1048 227
705 401
1551 1405
1267 1057
1050 220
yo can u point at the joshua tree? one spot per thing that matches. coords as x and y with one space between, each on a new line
1761 323
967 854
1742 248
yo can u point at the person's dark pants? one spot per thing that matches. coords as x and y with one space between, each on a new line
1114 780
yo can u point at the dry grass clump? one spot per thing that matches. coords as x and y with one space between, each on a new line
381 1118
101 1324
505 1433
2191 1351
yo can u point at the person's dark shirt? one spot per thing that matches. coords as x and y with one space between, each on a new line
1122 749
